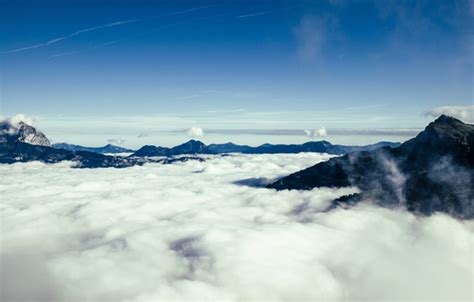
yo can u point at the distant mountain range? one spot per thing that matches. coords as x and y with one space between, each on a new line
103 150
197 147
433 172
23 143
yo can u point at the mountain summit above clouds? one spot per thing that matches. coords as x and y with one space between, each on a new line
107 149
21 131
433 172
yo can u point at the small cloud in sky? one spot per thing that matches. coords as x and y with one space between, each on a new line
464 113
316 133
116 141
195 132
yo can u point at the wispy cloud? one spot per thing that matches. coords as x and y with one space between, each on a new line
186 10
117 140
310 36
90 29
56 40
254 14
187 97
367 107
321 132
63 54
465 113
81 51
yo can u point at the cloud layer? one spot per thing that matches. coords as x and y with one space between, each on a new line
191 230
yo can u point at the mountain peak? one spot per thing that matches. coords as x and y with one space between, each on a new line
446 121
429 173
23 132
447 128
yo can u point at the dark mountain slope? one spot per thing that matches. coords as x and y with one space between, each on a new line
433 172
190 147
23 152
197 147
109 148
228 148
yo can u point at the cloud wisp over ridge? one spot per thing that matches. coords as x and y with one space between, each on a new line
464 113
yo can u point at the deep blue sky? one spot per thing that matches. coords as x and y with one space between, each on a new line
165 66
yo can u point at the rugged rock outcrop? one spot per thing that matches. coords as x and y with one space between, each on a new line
23 133
433 172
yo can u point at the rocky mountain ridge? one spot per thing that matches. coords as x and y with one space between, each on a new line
433 172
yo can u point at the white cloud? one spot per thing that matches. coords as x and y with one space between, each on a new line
195 132
317 133
310 36
186 231
18 118
464 113
118 140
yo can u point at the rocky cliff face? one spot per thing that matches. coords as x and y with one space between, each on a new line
22 132
433 172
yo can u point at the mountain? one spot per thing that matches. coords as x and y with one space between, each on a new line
23 143
197 147
433 172
18 151
228 148
189 147
23 133
103 150
319 146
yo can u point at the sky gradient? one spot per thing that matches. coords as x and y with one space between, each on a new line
144 72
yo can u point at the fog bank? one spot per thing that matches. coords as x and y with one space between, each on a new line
205 230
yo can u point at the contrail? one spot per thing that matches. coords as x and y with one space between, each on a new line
72 35
80 51
186 10
254 14
96 28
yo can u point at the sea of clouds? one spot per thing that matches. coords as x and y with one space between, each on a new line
209 231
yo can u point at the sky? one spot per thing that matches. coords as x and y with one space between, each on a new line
147 72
